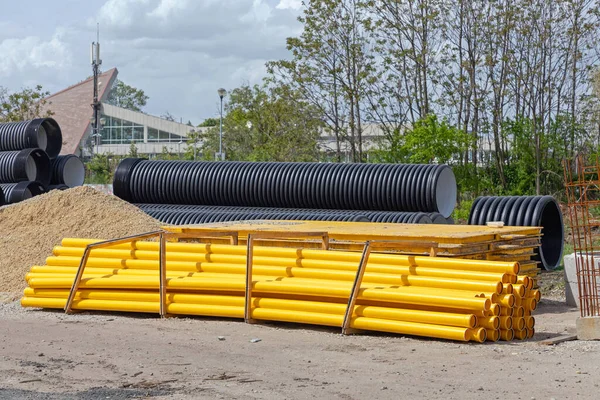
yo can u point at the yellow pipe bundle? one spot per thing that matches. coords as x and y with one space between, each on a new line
456 299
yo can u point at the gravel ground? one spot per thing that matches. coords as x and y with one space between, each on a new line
50 355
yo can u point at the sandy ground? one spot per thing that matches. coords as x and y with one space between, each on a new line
49 355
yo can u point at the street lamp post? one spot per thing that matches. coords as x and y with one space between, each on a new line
222 92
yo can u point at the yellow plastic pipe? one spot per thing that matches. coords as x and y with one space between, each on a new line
529 304
190 266
521 334
506 323
507 288
196 258
506 300
336 256
530 333
400 280
430 317
492 335
519 312
478 335
536 294
400 327
518 323
519 289
236 280
507 335
507 311
529 322
404 294
489 322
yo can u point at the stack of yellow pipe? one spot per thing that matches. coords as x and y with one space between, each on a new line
456 299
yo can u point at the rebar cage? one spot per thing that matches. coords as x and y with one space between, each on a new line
582 185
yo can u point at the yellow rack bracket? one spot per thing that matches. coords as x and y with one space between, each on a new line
100 245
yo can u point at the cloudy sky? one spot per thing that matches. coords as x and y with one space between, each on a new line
178 51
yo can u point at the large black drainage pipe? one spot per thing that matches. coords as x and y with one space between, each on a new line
373 216
388 187
541 211
190 217
42 133
60 186
16 192
68 170
2 201
25 165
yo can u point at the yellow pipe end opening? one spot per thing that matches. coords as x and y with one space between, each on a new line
529 322
507 335
506 323
521 334
519 323
530 333
493 335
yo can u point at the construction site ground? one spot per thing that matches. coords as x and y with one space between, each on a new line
50 355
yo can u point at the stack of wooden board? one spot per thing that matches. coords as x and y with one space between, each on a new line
507 243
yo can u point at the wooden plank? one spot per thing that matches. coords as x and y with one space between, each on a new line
362 231
557 340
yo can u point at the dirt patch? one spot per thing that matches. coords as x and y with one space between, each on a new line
31 229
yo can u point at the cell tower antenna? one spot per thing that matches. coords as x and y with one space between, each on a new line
96 62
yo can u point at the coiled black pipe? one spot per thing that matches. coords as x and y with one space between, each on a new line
388 187
16 192
25 165
68 170
373 216
541 211
191 217
41 133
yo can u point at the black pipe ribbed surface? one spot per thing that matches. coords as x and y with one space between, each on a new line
25 165
526 211
60 186
193 217
42 133
16 192
388 187
2 201
68 170
374 216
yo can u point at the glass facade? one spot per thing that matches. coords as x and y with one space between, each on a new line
155 135
119 131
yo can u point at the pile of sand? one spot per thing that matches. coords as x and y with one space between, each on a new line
30 230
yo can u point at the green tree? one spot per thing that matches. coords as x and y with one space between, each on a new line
133 151
27 104
266 123
125 96
430 140
208 122
100 171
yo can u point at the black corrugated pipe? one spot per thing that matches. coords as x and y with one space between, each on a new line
386 187
16 192
68 170
191 217
41 133
541 211
60 186
25 165
2 201
438 219
373 216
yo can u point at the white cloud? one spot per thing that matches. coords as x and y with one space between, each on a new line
178 51
167 8
31 52
289 4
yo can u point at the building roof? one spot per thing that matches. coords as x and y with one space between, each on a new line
72 108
